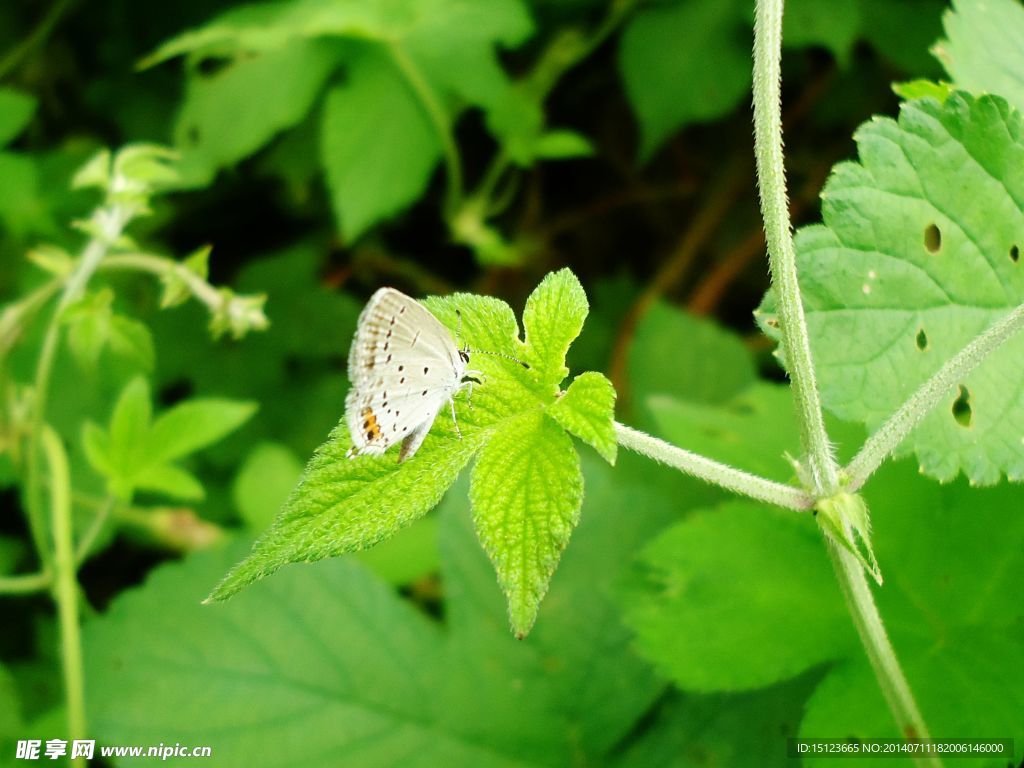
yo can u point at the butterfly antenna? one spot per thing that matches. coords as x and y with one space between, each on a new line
500 354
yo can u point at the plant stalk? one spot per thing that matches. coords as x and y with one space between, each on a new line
888 437
112 221
796 348
881 654
771 177
715 472
66 584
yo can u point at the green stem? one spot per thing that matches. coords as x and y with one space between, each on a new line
885 440
162 266
65 583
879 649
24 584
438 116
17 314
564 52
715 472
111 222
779 235
797 351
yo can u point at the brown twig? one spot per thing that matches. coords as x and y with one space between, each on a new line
731 183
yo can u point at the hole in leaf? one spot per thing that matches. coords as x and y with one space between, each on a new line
962 407
932 238
922 340
1014 254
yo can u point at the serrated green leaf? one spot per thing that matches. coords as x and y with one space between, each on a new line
526 494
193 425
981 51
950 603
231 113
344 505
260 695
170 480
378 147
918 255
552 319
587 410
16 110
686 613
696 44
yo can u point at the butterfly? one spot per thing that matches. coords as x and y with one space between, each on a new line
404 367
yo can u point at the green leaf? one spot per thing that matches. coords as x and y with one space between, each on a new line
169 480
136 454
709 363
713 633
902 32
920 89
267 698
132 340
759 583
344 505
834 25
236 110
378 146
330 643
195 424
263 483
175 289
563 145
693 730
919 253
526 493
129 426
683 62
553 318
16 110
93 326
981 51
587 410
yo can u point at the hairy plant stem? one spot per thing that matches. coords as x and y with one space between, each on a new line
65 583
796 348
881 654
771 175
711 471
162 266
110 221
887 437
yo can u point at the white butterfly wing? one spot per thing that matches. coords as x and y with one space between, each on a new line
404 366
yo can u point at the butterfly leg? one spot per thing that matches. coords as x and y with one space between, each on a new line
455 421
